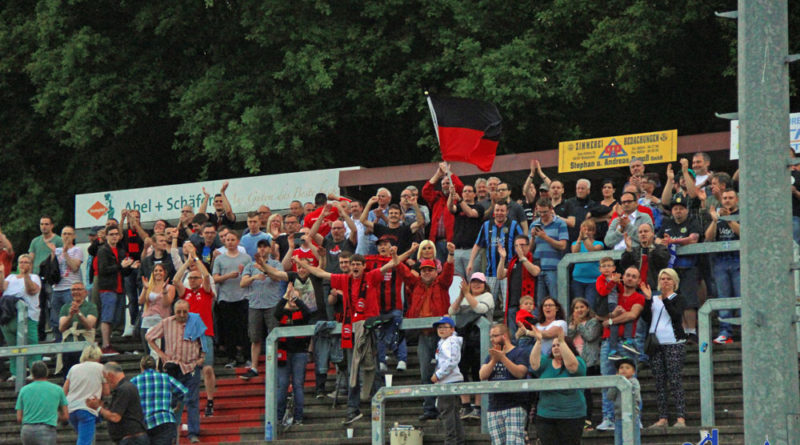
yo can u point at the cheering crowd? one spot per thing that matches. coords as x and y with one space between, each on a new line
201 287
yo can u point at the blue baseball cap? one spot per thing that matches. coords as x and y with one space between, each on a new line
444 320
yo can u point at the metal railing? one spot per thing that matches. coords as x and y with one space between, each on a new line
271 365
21 350
508 386
588 257
706 350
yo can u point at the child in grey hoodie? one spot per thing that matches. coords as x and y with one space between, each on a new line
448 355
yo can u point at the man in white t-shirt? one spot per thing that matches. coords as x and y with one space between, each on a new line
69 259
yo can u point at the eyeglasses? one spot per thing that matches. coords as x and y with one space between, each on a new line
627 201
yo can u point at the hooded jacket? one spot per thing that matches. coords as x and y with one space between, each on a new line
448 355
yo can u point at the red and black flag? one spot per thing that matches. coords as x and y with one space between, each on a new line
468 130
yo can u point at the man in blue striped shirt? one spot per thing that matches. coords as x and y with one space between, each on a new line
551 236
498 231
156 392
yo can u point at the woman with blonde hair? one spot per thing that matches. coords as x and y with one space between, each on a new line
663 311
275 225
426 251
157 297
85 380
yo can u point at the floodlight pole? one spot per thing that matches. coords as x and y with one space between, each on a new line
769 357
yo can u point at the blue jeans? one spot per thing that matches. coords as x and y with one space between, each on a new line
637 437
426 350
132 285
83 422
389 338
606 368
326 349
296 365
192 382
641 333
58 299
584 290
726 274
37 434
546 286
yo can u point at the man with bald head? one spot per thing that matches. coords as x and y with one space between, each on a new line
183 356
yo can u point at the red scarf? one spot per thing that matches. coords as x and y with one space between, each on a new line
528 282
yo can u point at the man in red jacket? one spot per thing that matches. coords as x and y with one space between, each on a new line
429 297
442 220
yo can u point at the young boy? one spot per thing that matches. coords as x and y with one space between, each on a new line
626 367
448 355
526 318
609 285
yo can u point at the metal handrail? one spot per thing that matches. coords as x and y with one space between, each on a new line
271 365
508 386
588 257
705 359
22 349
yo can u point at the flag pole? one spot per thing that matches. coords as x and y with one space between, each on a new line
433 116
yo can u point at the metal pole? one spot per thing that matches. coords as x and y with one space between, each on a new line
485 327
706 356
271 385
769 373
22 338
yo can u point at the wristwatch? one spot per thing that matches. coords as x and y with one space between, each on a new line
610 321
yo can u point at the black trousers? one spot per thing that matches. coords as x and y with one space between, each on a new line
232 325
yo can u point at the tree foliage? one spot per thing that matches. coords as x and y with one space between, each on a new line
110 94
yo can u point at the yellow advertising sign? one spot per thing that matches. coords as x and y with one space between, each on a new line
617 151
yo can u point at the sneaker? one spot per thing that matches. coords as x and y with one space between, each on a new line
351 418
46 359
691 339
231 364
287 423
108 351
249 374
383 367
631 347
298 422
401 365
723 339
13 378
194 439
464 412
319 395
332 394
614 355
209 409
475 413
605 425
128 332
428 416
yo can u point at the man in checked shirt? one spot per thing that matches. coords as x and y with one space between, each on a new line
183 357
156 391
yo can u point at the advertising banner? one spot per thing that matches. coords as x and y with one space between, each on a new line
244 194
617 151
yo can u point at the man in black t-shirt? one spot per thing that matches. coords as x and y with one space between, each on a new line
726 264
223 212
467 224
681 231
133 242
396 226
124 413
